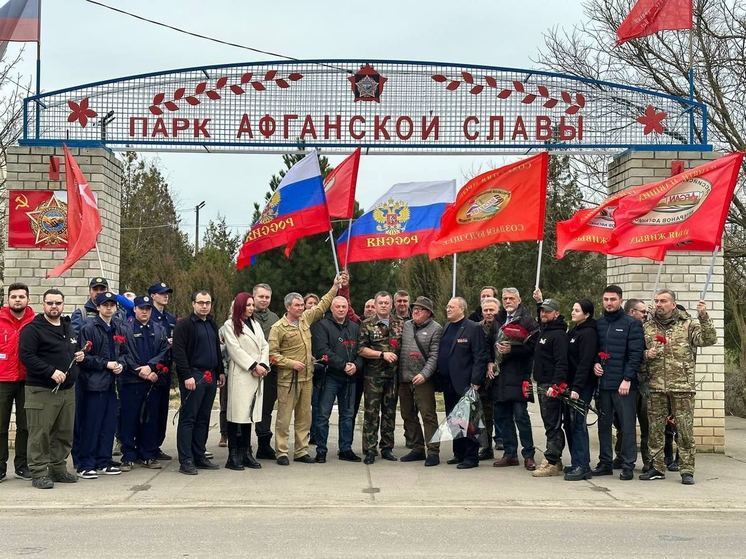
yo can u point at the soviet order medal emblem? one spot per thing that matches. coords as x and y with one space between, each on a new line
367 84
49 222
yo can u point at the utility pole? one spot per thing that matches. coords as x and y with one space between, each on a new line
197 208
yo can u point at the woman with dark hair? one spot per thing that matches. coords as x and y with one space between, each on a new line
582 383
248 352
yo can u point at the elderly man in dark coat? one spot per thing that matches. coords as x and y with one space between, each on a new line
462 363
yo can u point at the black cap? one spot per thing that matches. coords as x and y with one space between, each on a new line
98 281
143 301
105 297
159 287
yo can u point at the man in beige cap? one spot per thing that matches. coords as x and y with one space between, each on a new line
417 364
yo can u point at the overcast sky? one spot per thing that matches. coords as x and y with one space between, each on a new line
82 43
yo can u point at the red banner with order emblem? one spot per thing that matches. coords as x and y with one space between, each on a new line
37 219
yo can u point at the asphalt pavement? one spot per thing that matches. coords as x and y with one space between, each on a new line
342 509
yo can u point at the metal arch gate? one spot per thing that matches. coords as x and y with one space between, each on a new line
385 107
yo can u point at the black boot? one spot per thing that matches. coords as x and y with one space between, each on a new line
265 450
247 456
234 451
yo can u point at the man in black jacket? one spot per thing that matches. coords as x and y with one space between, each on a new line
49 350
621 344
550 374
511 387
146 370
462 363
98 393
335 336
196 352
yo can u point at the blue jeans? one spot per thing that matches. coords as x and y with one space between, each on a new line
314 435
343 390
576 430
511 415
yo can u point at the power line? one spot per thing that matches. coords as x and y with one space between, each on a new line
200 36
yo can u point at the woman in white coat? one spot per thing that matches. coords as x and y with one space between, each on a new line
248 354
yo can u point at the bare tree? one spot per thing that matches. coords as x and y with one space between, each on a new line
12 92
716 48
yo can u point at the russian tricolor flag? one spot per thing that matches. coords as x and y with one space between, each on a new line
295 210
19 21
400 224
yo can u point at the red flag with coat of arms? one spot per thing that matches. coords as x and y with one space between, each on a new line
683 212
502 205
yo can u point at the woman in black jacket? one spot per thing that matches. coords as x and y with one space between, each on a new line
581 382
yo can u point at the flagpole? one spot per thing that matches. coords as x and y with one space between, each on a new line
38 71
690 75
334 250
538 264
100 262
347 247
455 263
657 278
709 275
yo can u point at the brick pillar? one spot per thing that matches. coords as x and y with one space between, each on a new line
27 169
685 274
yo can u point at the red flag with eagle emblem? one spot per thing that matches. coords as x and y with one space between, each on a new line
502 205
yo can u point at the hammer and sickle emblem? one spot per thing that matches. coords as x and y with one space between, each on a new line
21 201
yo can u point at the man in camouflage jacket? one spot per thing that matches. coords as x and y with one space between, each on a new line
380 338
672 338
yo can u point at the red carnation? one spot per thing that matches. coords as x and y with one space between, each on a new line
207 376
603 356
394 343
161 368
88 346
661 339
415 355
118 339
324 358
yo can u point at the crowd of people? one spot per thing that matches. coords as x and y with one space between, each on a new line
104 375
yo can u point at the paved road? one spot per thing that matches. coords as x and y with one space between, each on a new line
373 532
388 509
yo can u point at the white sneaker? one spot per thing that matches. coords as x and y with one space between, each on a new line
88 474
109 471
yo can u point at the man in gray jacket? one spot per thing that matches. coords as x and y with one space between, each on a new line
417 363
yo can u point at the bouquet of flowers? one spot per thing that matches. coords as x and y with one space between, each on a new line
465 420
563 391
513 334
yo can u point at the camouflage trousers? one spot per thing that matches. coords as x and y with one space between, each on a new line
380 410
680 405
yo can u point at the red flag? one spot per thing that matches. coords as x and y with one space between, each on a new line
650 16
83 219
54 168
502 205
591 229
339 187
683 212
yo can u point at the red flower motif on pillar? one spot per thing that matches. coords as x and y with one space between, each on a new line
80 112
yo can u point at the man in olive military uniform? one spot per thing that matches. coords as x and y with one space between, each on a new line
380 338
671 340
